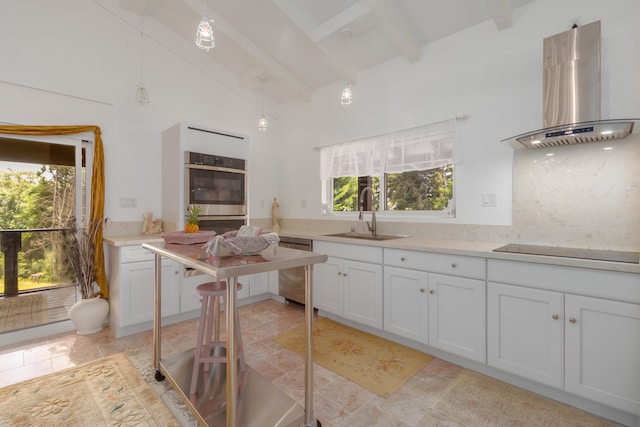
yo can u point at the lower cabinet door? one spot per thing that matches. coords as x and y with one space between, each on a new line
406 303
525 332
602 360
363 293
259 284
189 298
327 286
457 316
137 293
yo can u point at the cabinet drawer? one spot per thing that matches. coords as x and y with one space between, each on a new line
456 265
613 285
134 253
346 251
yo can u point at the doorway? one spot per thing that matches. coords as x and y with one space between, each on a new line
43 186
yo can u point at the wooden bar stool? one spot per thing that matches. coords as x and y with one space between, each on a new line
211 292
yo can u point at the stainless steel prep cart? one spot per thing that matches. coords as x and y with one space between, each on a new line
250 399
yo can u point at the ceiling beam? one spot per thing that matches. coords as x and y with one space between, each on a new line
136 7
338 22
292 12
264 60
396 28
501 13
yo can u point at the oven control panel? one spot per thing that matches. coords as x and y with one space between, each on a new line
213 160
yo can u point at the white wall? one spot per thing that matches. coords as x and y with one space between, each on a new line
77 62
492 77
81 66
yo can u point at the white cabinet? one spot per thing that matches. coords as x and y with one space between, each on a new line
349 284
137 291
131 288
525 332
189 298
457 315
328 286
406 304
362 284
274 283
588 344
445 311
602 360
259 284
252 285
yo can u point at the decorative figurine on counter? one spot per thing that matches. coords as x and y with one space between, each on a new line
275 214
150 225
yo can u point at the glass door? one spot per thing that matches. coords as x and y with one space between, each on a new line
43 188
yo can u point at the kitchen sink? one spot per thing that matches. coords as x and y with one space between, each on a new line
367 236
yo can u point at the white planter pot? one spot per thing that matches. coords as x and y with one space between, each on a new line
88 315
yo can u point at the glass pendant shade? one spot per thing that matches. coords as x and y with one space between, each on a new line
204 36
347 95
263 124
142 96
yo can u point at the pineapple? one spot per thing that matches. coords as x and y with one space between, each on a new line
192 219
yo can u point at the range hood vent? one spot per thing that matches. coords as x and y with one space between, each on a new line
571 94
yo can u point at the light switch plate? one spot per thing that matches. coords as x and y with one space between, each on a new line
489 199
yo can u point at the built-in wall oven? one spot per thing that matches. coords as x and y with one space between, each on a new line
218 185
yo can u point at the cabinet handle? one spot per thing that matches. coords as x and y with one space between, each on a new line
339 273
431 291
555 317
344 274
454 265
421 290
403 259
572 320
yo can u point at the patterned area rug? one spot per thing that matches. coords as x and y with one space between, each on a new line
376 364
106 392
23 311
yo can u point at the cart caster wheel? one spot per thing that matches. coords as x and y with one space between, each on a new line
159 376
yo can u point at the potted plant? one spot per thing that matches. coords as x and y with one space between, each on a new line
89 313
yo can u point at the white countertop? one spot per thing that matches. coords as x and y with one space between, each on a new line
468 248
133 240
425 244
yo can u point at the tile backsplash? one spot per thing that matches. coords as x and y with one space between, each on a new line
581 195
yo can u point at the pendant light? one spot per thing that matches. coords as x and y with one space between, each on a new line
347 95
346 98
204 35
142 96
263 124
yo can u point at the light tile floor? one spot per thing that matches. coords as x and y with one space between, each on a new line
441 394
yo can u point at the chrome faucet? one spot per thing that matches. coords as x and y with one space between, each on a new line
372 227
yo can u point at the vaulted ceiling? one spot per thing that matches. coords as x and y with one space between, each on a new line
299 46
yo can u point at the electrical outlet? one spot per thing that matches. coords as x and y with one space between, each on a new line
128 202
489 199
303 205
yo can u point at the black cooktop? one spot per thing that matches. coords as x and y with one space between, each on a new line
592 254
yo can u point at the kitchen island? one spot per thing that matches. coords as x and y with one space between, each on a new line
255 396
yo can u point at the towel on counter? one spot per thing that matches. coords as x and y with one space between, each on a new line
245 241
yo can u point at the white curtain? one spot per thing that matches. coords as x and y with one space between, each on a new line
420 148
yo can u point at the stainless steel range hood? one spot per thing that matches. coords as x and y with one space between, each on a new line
571 93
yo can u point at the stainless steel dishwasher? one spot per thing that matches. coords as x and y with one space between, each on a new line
291 280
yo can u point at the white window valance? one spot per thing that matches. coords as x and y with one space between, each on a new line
419 148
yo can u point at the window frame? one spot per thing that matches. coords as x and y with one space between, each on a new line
327 203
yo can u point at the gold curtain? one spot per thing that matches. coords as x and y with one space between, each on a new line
96 212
